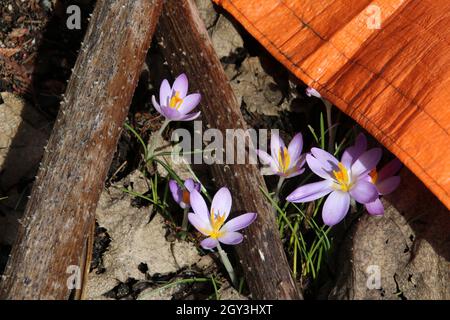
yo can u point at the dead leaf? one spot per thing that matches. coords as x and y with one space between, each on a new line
18 32
9 52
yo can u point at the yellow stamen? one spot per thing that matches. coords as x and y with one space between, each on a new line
284 159
216 223
176 101
374 176
342 177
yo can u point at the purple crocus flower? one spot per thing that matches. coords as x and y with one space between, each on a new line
180 194
311 92
174 102
212 223
285 162
386 182
344 180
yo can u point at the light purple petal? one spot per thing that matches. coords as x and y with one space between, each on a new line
312 92
275 145
176 191
231 238
328 161
189 103
389 169
171 113
317 167
199 223
364 191
165 92
335 208
354 152
266 159
190 116
375 208
198 204
310 192
366 162
240 222
294 172
295 147
209 243
156 105
181 85
221 203
189 184
388 185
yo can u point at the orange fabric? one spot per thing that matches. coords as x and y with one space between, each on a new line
394 81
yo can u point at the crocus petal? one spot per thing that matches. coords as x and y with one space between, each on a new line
391 168
275 145
209 243
317 167
198 204
364 191
189 103
181 85
388 185
170 113
328 161
199 223
221 203
165 92
156 104
295 147
366 162
294 172
240 222
176 191
375 208
190 116
310 192
267 160
231 238
354 152
335 208
189 184
312 92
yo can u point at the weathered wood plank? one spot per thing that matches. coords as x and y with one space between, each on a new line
186 46
60 212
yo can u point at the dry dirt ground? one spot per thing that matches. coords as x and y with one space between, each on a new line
135 252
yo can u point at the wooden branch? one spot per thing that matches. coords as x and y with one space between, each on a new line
60 213
186 46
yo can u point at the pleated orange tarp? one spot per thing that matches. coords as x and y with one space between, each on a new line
385 63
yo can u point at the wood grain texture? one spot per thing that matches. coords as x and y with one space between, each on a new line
186 46
60 212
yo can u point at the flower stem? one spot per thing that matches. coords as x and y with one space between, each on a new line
276 197
331 132
184 225
154 139
226 262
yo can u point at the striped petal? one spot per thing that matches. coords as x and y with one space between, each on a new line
231 238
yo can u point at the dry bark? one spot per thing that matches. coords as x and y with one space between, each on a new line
60 213
186 46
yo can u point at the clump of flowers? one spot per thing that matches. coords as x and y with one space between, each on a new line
353 178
